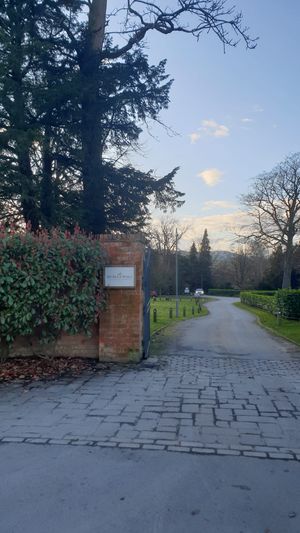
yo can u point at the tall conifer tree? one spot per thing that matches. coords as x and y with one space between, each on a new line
43 125
193 268
205 261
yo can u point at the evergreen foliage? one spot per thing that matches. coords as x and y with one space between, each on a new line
224 292
288 303
193 265
274 272
205 262
50 174
261 299
49 284
283 301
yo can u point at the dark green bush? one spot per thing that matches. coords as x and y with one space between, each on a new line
262 299
223 292
288 303
49 284
265 293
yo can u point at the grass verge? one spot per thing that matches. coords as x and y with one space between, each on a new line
163 306
288 329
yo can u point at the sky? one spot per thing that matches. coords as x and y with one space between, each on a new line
235 115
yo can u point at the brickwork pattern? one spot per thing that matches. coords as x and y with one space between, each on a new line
119 335
121 324
80 345
177 403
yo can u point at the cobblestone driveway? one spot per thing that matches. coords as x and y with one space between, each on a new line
183 403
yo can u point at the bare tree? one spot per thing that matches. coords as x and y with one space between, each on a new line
274 207
241 268
162 236
162 239
248 266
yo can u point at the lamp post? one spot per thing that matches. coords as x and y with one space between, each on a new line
176 275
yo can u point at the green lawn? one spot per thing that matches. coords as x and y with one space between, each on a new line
289 329
163 305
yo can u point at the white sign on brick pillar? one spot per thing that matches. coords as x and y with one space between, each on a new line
119 277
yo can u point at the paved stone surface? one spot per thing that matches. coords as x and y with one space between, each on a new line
187 402
196 404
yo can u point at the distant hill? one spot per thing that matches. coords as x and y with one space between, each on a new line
221 255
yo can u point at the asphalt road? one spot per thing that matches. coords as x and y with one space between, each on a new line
226 331
68 489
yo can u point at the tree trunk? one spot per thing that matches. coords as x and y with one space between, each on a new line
287 267
4 350
47 195
23 136
94 219
28 199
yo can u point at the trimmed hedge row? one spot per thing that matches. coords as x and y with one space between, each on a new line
265 293
288 303
260 300
223 292
284 301
49 284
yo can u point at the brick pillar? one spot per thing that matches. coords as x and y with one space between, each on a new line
121 324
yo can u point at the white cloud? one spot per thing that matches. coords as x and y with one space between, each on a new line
209 128
213 129
211 176
194 137
217 204
247 120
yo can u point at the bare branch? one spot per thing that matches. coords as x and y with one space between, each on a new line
193 17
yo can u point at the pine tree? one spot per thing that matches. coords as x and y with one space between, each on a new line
193 268
34 86
205 262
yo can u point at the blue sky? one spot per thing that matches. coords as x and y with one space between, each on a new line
236 115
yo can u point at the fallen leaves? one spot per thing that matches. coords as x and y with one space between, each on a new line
35 368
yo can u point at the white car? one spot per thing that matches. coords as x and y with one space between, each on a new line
198 292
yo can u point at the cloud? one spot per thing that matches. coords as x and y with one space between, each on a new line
194 137
212 128
217 204
247 120
211 176
222 229
209 128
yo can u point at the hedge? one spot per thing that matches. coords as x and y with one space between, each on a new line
259 299
285 301
288 303
49 284
265 293
223 292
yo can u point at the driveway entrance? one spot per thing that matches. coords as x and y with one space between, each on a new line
223 386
